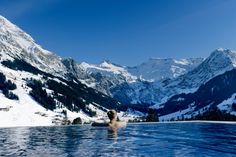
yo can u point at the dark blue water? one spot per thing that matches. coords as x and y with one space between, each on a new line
174 139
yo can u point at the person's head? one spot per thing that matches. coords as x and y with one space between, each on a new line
112 115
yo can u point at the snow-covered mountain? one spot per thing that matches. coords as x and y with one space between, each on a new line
220 61
15 43
161 69
101 77
137 84
157 92
215 96
107 68
48 89
145 89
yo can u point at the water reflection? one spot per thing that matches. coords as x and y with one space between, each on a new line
190 139
112 134
13 142
219 138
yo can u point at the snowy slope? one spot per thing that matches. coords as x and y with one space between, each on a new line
27 112
22 112
227 105
218 92
39 64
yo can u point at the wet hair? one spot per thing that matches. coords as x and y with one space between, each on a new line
111 114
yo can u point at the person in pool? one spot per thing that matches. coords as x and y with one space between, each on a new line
114 124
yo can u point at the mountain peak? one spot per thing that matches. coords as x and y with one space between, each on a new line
223 51
109 64
220 49
17 44
219 61
14 36
224 54
156 69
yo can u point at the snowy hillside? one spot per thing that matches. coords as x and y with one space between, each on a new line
28 112
25 111
65 101
43 90
228 105
216 95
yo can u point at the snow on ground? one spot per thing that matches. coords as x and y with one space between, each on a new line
73 115
186 113
175 115
99 113
85 82
27 112
59 81
226 105
24 112
131 114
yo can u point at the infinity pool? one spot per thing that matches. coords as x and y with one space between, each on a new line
157 139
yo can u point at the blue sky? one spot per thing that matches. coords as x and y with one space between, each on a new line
126 32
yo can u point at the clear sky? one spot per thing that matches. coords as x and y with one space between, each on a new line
126 32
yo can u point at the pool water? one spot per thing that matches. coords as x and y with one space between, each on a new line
157 139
